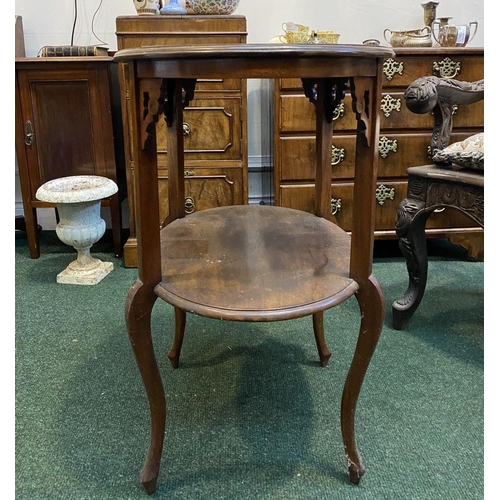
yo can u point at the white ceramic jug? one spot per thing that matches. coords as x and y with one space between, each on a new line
147 7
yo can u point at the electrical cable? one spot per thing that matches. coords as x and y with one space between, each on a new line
92 26
74 22
93 18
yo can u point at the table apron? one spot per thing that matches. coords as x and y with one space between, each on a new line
257 68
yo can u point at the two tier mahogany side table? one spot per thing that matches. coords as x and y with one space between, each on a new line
247 262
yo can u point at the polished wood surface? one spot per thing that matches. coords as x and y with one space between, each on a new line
253 263
214 123
403 135
65 126
292 265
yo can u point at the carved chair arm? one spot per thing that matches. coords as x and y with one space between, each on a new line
439 95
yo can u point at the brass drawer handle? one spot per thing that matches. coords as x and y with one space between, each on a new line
338 155
28 138
339 111
189 205
386 145
384 193
390 104
186 129
391 67
447 68
336 205
188 173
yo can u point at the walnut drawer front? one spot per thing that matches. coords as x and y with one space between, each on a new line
212 130
298 114
388 196
296 155
395 114
204 188
407 66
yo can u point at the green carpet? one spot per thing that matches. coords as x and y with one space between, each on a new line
251 414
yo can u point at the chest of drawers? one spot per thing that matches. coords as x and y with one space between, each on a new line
404 141
215 122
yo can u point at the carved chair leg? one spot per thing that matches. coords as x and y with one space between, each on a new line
180 326
140 301
410 228
371 303
319 334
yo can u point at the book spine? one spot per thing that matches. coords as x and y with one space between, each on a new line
72 51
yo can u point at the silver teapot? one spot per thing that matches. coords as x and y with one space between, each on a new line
449 35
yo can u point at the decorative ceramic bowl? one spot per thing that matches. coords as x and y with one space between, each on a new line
221 7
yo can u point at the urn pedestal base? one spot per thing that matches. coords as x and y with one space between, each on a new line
77 275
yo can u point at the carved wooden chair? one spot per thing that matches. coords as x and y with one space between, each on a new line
455 179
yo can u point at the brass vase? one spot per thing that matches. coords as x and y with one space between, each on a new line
429 12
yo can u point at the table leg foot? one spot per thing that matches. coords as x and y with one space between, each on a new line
180 326
149 477
355 473
371 303
139 304
319 334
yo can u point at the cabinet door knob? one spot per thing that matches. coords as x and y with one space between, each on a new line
28 138
186 129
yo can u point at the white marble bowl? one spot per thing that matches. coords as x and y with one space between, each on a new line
218 7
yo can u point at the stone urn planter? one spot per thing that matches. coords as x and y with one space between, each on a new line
78 201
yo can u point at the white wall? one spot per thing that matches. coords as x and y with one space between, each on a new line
50 22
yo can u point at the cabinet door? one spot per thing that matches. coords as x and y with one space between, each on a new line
71 133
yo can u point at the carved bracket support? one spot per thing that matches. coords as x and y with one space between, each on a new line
360 93
158 97
188 85
334 93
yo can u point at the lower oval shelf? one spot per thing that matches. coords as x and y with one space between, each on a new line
254 263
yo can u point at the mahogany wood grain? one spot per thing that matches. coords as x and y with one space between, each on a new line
253 263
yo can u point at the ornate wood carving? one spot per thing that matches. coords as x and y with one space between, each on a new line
188 86
157 98
152 95
468 199
441 95
336 88
360 93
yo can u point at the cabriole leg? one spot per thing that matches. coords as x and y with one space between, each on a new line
319 334
180 326
371 303
139 304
